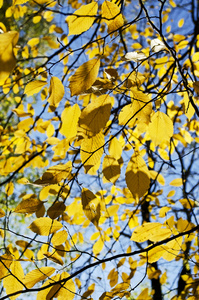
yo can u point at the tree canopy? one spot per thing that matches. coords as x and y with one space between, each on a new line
99 150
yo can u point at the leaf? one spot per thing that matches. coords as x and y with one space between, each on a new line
172 249
67 290
45 226
111 168
29 206
56 210
115 148
135 56
157 45
56 92
2 213
196 87
111 16
12 283
55 174
37 275
137 176
150 231
8 41
91 206
84 77
70 118
82 19
54 257
5 262
95 116
176 182
92 150
34 87
161 128
59 238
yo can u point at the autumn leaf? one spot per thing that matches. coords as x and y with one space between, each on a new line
37 275
34 87
45 226
70 117
92 150
111 168
137 176
161 128
56 92
54 257
91 206
111 15
84 77
12 283
82 19
8 41
95 116
29 206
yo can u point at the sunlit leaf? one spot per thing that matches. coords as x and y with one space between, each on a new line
70 117
92 150
160 128
111 15
56 91
8 41
12 283
34 87
137 176
54 257
37 275
95 116
82 19
84 77
91 206
45 226
150 231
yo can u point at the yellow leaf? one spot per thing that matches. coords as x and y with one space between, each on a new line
55 174
5 262
34 87
54 256
70 117
66 290
150 231
95 116
155 254
37 275
115 148
188 108
113 277
2 213
111 168
98 246
8 41
91 206
92 150
45 226
157 176
56 210
176 182
84 77
172 249
29 206
111 16
56 91
180 22
10 283
160 128
82 19
9 188
59 238
196 87
137 176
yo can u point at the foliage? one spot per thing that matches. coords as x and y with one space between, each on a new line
99 132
